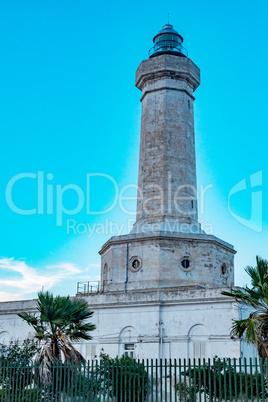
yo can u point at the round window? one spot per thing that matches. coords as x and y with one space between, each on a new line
185 263
135 264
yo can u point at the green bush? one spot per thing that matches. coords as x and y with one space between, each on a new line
224 380
15 365
124 378
185 393
25 395
16 352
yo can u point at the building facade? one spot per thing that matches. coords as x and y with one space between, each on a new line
160 289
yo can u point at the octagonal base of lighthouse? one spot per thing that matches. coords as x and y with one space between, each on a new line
165 260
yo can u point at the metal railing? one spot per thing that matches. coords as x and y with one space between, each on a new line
126 379
88 287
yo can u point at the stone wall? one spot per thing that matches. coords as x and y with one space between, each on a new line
211 261
167 168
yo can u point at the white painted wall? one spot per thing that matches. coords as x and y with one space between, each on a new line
164 324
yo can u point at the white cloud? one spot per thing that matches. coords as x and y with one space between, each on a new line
20 280
5 296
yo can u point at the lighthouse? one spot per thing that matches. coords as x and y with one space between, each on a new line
160 293
167 249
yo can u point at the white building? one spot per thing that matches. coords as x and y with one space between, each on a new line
160 292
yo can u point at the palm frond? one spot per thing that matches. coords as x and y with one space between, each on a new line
34 322
247 296
258 276
247 327
71 354
29 318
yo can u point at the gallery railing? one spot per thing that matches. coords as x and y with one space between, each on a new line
88 287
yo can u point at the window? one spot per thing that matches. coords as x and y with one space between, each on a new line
199 350
129 349
185 263
136 264
224 269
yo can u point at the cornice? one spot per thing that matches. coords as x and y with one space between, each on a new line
168 87
157 236
183 75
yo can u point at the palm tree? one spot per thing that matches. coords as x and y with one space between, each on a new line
60 320
255 327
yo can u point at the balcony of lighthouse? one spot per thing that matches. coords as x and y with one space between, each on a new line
87 288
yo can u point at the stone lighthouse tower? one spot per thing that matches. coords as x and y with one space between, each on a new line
167 172
166 248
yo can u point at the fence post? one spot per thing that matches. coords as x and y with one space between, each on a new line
147 383
180 378
175 380
257 379
165 371
235 380
156 382
251 379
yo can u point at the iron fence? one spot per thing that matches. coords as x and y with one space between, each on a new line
126 380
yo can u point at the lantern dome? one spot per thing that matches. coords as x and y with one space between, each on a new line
168 41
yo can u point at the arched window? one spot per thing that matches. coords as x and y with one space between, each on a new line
198 342
128 340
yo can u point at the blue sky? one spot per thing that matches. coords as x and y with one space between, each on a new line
69 107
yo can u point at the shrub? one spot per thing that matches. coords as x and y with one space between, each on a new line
15 352
124 378
15 365
224 381
25 395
